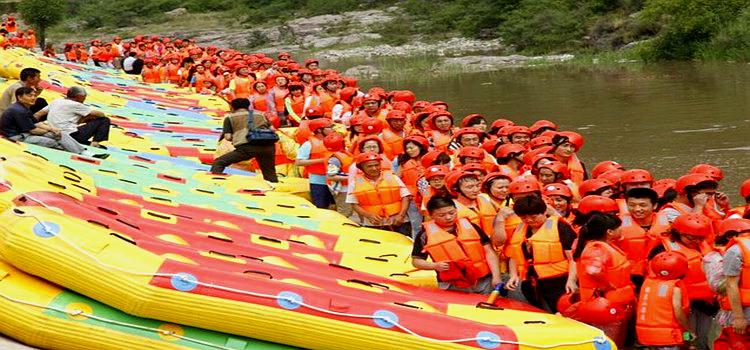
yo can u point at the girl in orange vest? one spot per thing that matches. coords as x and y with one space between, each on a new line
432 184
30 41
441 134
294 103
566 144
261 100
663 304
408 165
70 53
151 72
560 197
173 70
242 84
279 92
603 270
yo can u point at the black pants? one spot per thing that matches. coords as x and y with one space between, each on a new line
97 128
545 293
264 155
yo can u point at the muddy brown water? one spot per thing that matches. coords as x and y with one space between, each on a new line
665 117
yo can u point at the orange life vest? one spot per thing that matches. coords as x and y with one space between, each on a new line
280 156
278 98
695 280
618 289
243 87
681 208
637 242
577 174
260 102
393 142
83 56
463 251
382 197
346 161
71 56
743 242
327 101
303 132
200 80
548 257
410 172
173 73
482 215
30 42
439 140
151 75
298 105
656 323
318 151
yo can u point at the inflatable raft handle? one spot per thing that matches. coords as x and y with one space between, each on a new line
366 283
269 239
257 272
534 322
123 238
488 306
376 259
341 266
107 210
365 240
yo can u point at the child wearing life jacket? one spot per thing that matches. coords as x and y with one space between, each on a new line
663 304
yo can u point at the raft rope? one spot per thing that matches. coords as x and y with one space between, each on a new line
75 313
599 339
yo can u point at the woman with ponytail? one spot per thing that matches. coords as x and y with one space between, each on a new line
607 295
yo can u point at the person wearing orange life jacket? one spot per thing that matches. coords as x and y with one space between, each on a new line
151 72
565 146
506 221
461 252
393 134
541 126
475 155
200 77
260 98
717 207
560 197
370 143
434 179
441 133
471 203
689 236
338 164
11 25
742 211
379 197
693 194
294 102
540 252
473 137
328 98
313 155
603 270
510 158
519 134
734 317
642 229
550 172
173 69
242 84
30 41
408 167
663 305
279 92
476 121
633 178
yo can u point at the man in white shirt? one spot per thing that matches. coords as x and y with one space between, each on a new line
127 64
84 124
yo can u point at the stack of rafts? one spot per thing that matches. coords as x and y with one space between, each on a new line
149 234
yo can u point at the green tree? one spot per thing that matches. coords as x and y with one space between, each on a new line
41 14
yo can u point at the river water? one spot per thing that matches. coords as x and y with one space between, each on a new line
665 117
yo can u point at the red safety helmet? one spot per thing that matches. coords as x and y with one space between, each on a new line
507 149
467 119
474 168
708 169
471 152
557 168
573 137
431 156
467 131
492 176
490 145
524 185
418 139
598 310
534 157
601 204
690 180
319 123
347 93
436 170
501 123
593 185
557 189
519 129
403 96
310 60
366 157
605 166
395 114
693 224
669 265
745 189
372 126
505 131
541 124
334 142
440 103
314 111
613 176
437 114
540 141
401 106
451 180
635 176
734 224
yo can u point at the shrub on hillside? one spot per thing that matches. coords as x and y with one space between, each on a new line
543 26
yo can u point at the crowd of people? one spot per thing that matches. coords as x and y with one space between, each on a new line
13 36
490 205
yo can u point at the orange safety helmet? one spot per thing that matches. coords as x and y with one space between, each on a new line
534 157
542 124
613 176
436 170
601 204
708 169
319 123
593 185
524 185
669 265
440 103
693 224
437 114
690 180
507 149
372 126
519 129
334 142
467 131
745 189
540 141
490 145
474 168
366 157
489 178
605 166
573 137
635 176
431 156
557 168
557 189
401 106
418 139
737 225
471 152
314 111
501 123
467 119
404 96
395 114
451 180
